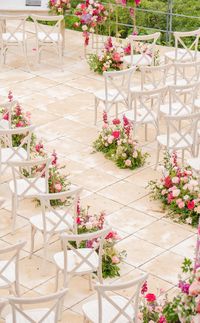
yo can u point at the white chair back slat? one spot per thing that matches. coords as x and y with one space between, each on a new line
145 55
50 312
188 52
189 72
105 293
119 83
55 218
155 76
19 27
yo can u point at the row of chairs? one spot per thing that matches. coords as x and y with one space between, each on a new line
13 33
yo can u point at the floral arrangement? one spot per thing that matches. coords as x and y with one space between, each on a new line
115 141
59 7
87 222
90 13
140 48
178 190
110 59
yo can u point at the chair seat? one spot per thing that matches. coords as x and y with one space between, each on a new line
142 116
37 221
112 96
49 38
7 154
171 81
182 55
174 138
138 60
74 259
109 312
14 38
138 88
176 109
8 273
22 185
36 315
4 124
194 163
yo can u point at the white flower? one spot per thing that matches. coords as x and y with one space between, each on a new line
188 220
91 1
88 225
91 30
186 197
193 182
175 180
84 27
176 193
135 154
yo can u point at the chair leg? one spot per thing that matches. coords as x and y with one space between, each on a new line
17 292
57 276
33 232
95 111
116 110
158 155
182 156
14 211
90 282
146 129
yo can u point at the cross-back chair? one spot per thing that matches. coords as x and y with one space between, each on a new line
116 90
5 114
186 72
111 307
13 36
154 77
181 99
145 44
179 138
81 255
9 271
188 41
49 37
9 151
146 108
30 178
48 313
53 220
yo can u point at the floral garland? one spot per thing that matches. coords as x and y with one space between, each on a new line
115 141
111 58
178 190
59 7
87 222
90 14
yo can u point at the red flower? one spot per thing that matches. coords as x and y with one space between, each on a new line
6 116
116 121
116 134
20 124
162 319
150 298
78 220
190 205
167 182
144 288
169 197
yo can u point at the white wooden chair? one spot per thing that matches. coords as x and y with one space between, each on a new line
179 138
146 108
5 114
154 77
14 35
49 37
48 313
116 91
187 52
194 163
186 73
111 307
28 187
53 220
9 271
146 57
181 99
8 152
75 260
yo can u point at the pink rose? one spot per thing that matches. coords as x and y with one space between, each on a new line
194 288
58 187
128 162
181 205
115 260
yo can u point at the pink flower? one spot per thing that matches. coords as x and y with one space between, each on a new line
194 288
144 288
190 205
20 124
6 116
10 96
54 158
116 121
181 205
162 319
150 297
115 260
116 57
116 134
38 147
58 187
167 182
128 162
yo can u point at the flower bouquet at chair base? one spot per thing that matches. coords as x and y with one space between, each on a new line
87 222
178 190
115 141
110 59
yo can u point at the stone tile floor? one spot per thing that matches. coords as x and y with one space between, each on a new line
62 107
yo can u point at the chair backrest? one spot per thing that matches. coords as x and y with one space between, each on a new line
156 76
48 32
184 96
182 136
143 100
8 256
189 52
120 312
6 111
31 172
138 41
18 27
189 72
59 217
6 140
94 241
118 83
50 311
